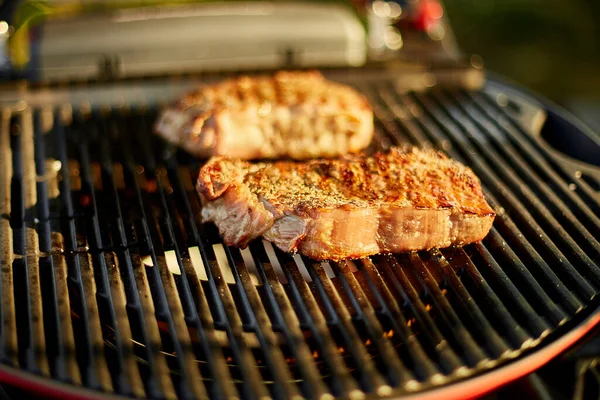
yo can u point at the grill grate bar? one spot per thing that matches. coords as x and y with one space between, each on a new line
17 192
66 363
86 325
417 129
506 322
474 105
132 292
487 335
30 322
307 304
205 325
6 172
538 295
371 378
242 354
501 117
288 322
35 349
126 377
55 342
566 242
124 291
424 369
42 212
261 327
60 153
566 297
8 333
96 369
471 352
500 188
448 359
366 313
537 325
166 294
204 321
24 164
520 171
149 329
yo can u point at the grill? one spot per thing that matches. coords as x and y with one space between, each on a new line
110 281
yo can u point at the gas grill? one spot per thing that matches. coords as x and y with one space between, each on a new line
111 285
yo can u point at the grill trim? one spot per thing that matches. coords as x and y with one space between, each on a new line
107 272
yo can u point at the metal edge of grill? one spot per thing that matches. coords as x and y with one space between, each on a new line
110 281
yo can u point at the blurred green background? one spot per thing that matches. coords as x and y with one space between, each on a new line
550 46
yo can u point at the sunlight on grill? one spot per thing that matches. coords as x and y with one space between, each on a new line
79 281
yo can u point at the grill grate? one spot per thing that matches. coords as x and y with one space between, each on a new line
110 281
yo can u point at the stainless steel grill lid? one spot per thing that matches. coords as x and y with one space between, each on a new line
110 282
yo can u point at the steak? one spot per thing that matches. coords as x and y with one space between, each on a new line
355 206
296 115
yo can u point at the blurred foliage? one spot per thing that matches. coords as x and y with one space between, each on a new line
552 46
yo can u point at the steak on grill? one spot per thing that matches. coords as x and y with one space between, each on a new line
352 207
291 114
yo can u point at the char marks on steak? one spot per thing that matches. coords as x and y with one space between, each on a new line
297 115
352 207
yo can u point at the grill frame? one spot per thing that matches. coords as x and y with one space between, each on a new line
232 260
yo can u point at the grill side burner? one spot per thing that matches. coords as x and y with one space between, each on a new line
109 280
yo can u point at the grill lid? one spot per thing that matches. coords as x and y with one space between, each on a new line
109 281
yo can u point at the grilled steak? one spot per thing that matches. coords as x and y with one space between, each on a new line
291 114
356 206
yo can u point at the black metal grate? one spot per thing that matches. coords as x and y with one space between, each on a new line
110 281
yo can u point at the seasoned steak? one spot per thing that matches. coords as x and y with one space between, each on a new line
352 207
291 114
